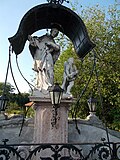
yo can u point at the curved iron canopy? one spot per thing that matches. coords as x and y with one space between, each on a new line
46 16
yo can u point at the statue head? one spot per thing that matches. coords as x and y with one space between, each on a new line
54 32
71 60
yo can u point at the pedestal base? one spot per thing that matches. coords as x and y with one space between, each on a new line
44 131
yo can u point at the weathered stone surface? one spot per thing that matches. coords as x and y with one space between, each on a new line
90 131
10 129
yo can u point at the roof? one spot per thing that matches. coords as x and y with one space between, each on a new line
29 104
45 16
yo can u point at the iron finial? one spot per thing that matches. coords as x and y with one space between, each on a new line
57 1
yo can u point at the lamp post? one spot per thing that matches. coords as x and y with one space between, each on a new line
3 98
3 102
92 105
55 94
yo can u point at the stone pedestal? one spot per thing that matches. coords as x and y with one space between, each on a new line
44 132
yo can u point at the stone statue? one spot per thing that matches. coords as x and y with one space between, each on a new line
45 52
70 73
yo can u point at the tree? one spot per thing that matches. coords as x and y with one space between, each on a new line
8 88
103 71
105 34
16 101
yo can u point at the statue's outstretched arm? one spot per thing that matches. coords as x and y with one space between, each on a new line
53 45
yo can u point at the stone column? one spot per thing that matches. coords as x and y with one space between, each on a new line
44 132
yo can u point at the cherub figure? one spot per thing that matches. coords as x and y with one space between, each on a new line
70 73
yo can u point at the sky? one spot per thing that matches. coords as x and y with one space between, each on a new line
11 13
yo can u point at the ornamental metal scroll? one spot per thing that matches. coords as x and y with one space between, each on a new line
46 16
76 151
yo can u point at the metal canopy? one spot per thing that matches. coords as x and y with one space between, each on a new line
46 16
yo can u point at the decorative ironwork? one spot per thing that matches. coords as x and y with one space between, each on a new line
76 151
55 116
57 1
7 152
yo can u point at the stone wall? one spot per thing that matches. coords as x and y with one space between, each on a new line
91 130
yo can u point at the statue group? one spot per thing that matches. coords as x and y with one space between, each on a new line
45 53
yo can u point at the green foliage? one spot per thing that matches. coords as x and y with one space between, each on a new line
30 113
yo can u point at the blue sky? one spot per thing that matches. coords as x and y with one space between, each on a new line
11 13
